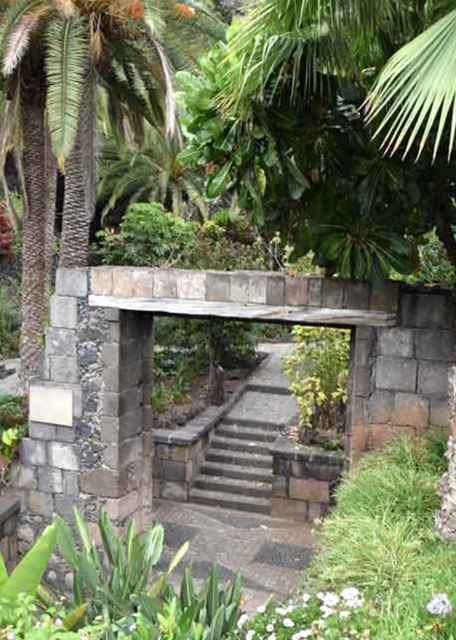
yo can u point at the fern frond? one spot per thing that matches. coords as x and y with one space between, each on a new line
18 42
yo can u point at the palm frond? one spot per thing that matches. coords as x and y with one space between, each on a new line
417 88
170 103
66 70
18 42
153 18
13 16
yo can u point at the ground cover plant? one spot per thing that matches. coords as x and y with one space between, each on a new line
13 424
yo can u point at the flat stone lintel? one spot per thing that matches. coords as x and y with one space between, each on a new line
257 313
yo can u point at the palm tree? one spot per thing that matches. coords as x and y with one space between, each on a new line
150 170
53 53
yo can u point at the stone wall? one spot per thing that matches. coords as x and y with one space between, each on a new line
304 480
9 511
90 442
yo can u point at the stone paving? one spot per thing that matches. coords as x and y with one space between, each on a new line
271 554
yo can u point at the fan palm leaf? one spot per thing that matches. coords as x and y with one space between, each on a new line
66 71
417 89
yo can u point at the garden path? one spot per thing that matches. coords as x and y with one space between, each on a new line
271 554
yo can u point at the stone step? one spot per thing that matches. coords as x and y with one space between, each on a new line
246 459
263 425
245 433
230 501
232 444
236 471
233 485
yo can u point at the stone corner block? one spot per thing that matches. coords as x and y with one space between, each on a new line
396 374
51 405
72 282
64 312
101 282
33 452
411 410
63 456
385 298
333 293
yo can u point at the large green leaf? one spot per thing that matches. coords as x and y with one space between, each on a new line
220 181
28 574
67 65
417 88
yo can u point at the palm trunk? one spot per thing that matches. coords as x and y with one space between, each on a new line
34 303
79 201
446 517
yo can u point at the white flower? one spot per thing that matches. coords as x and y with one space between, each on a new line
288 623
306 633
272 637
331 600
350 593
242 620
305 598
270 628
249 635
11 635
344 615
355 603
321 595
326 611
281 611
290 608
58 622
261 609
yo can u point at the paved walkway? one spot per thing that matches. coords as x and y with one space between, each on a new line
270 554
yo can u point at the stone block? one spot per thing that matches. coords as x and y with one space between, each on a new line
292 509
71 483
122 282
177 491
365 333
395 374
432 378
357 295
385 298
33 452
112 315
280 487
123 454
165 283
275 290
296 291
239 288
40 502
439 415
25 478
42 431
362 381
64 506
172 470
44 368
381 434
64 312
218 286
101 283
315 289
111 403
333 293
358 442
114 331
191 285
308 489
142 283
110 354
436 344
257 288
396 342
427 309
316 511
411 409
64 369
104 482
363 350
124 507
50 480
65 434
63 456
380 408
60 342
72 282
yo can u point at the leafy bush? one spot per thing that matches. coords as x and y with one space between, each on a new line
147 236
318 373
13 423
434 266
9 318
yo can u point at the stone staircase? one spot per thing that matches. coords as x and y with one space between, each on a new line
237 471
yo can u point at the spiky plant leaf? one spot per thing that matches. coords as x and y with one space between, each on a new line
66 69
418 89
18 42
13 15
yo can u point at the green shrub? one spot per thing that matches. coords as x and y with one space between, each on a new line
147 236
10 319
318 373
13 423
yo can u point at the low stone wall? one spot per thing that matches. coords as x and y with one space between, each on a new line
304 480
9 511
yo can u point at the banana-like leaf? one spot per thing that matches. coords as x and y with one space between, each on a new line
67 61
417 88
109 538
66 543
220 181
178 557
212 594
153 544
28 574
3 571
217 624
187 594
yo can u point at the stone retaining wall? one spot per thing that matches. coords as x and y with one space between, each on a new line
9 511
304 480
